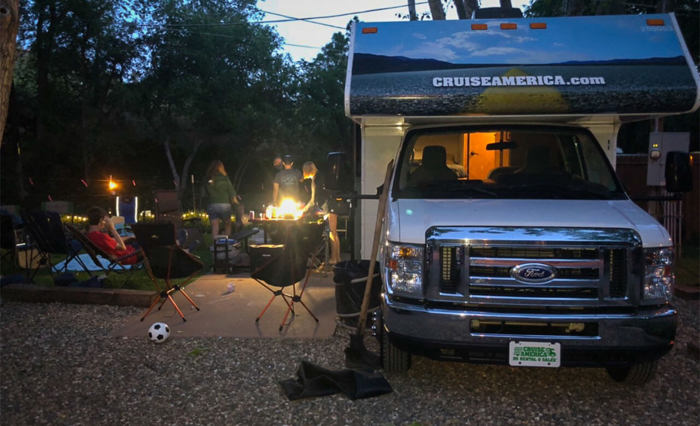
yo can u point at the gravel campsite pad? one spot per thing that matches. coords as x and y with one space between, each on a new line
61 366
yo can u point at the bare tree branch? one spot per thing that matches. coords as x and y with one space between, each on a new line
436 10
412 10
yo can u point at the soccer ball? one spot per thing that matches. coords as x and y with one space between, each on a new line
159 332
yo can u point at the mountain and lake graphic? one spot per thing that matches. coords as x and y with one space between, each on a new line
367 63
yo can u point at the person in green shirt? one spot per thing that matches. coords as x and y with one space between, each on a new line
221 197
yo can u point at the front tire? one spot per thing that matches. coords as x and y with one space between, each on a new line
394 360
635 374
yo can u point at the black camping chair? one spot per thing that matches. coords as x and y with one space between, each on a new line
166 261
104 260
8 241
279 266
49 236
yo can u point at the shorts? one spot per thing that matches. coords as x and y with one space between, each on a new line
219 211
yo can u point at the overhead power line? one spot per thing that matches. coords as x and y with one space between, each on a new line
292 19
338 15
287 19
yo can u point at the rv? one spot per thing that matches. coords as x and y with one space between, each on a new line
507 235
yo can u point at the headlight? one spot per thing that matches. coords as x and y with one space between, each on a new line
404 269
658 274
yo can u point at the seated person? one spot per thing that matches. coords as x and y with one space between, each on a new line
103 234
433 167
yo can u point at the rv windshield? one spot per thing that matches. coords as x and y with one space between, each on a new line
505 162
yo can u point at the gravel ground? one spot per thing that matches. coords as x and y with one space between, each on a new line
59 365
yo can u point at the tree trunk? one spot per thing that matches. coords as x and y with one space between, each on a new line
436 10
470 6
9 24
186 170
506 4
412 10
459 6
171 163
664 6
180 179
465 8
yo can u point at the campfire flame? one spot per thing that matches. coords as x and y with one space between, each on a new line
288 209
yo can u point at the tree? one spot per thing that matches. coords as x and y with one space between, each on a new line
74 55
9 23
321 101
213 80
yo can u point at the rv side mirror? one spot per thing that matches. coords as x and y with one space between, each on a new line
337 177
678 172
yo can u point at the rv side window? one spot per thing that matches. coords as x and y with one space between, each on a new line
517 162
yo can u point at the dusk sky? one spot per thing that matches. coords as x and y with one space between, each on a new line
563 40
304 40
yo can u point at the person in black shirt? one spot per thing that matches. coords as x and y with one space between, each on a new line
319 200
287 182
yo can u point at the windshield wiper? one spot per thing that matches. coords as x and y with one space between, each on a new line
561 190
467 189
451 188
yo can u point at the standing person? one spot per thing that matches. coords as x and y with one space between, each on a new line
277 163
221 197
319 200
103 234
287 182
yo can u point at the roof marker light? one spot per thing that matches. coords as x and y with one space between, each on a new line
479 27
538 26
369 30
509 26
655 22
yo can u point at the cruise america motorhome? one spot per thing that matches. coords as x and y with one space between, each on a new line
507 236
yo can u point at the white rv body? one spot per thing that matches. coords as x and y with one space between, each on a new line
482 260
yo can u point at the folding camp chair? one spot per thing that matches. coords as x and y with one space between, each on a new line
167 206
107 262
48 234
286 265
166 261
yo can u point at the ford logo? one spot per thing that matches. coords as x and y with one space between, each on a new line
533 273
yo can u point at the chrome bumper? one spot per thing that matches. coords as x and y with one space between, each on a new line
647 333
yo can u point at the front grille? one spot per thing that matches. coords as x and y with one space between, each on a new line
485 274
533 253
617 259
451 259
576 293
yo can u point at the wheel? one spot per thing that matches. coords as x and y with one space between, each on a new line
394 360
635 374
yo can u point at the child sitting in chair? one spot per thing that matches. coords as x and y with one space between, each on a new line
102 233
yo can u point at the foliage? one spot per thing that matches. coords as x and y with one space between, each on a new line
149 92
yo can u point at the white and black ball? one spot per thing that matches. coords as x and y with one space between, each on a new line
159 332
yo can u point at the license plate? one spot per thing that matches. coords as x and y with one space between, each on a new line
534 354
